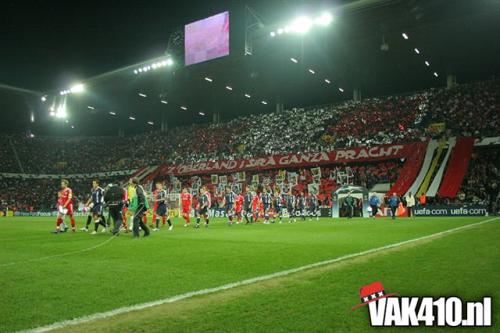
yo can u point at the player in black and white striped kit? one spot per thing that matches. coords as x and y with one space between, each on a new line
290 206
228 204
97 199
204 202
247 206
277 203
301 205
266 199
312 205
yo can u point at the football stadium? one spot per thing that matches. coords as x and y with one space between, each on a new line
250 166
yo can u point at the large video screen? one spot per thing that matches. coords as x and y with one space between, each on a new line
206 39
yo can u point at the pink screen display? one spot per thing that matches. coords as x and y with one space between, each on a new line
207 39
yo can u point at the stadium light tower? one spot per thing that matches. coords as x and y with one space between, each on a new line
303 24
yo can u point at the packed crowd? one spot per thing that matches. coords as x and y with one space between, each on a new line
482 181
470 109
19 194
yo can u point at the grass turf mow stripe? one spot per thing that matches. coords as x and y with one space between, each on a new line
93 247
122 310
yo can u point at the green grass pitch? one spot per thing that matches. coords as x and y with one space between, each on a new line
48 278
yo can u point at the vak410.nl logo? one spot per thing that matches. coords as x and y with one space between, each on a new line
388 309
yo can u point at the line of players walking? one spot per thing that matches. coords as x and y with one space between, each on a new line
132 204
265 203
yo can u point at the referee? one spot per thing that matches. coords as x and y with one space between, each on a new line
138 205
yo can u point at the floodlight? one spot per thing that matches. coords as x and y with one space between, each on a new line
417 51
208 79
247 96
324 20
435 74
140 70
294 60
131 118
184 108
112 113
77 88
44 98
135 71
169 62
73 126
405 36
164 101
311 71
52 113
272 34
229 88
201 113
264 102
61 112
427 63
341 90
143 95
327 81
151 123
280 31
90 107
154 66
301 25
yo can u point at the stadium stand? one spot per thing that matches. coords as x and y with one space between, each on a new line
474 109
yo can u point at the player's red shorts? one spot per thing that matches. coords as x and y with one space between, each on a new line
70 210
185 209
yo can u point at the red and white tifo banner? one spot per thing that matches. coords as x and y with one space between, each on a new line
348 155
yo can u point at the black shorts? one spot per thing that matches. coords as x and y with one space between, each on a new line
203 211
229 208
161 210
266 208
97 209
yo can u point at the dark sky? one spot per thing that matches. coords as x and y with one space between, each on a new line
47 43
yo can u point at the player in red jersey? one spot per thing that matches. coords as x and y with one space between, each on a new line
125 211
255 206
65 206
238 207
186 201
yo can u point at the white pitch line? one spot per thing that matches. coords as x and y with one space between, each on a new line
126 309
60 254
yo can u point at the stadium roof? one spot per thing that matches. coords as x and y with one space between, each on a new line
47 48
